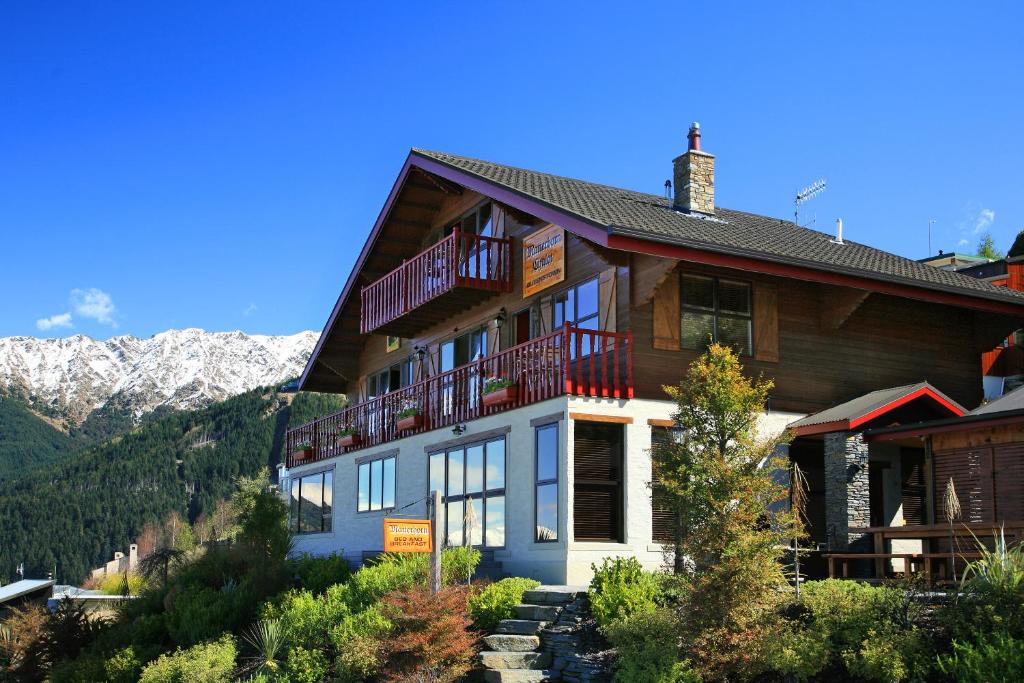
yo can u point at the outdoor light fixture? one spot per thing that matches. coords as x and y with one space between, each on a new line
421 352
499 319
459 430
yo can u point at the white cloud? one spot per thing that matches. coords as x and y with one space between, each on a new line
58 320
962 243
250 309
983 220
94 303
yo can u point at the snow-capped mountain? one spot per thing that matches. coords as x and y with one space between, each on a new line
73 376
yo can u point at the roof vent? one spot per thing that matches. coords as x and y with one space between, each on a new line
839 232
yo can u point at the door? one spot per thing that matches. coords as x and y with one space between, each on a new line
522 326
597 486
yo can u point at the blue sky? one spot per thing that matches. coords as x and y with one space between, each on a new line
219 164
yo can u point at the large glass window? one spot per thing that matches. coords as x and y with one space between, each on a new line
546 466
376 481
715 310
310 503
579 307
471 480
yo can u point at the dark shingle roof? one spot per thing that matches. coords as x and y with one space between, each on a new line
647 216
1013 400
867 404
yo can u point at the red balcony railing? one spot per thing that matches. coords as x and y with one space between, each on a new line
458 261
571 361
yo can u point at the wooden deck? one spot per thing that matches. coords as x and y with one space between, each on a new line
571 361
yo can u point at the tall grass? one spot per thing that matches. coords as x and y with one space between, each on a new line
1000 570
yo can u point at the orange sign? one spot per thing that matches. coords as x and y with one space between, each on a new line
407 536
543 259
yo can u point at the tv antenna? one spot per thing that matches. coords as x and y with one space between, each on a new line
809 192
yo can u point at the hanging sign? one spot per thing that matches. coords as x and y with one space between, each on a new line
543 259
407 536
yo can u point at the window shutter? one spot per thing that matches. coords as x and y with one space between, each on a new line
667 320
607 296
597 485
662 523
766 322
1009 482
967 467
914 491
543 319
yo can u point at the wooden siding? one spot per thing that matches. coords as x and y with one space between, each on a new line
884 341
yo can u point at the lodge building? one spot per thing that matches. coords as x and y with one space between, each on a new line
505 334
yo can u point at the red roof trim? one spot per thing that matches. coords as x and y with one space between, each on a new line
811 275
851 424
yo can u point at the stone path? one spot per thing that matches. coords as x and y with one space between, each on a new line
515 653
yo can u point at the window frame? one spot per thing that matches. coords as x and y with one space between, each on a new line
326 518
368 462
483 495
575 320
537 482
716 311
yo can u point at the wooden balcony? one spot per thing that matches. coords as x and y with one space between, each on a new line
459 271
570 361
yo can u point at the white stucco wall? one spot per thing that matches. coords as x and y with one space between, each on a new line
562 561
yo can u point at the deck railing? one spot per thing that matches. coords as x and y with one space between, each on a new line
459 260
570 361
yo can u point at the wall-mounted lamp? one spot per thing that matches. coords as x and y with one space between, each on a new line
459 430
421 352
500 319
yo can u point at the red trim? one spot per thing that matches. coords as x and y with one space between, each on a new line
851 424
944 429
810 274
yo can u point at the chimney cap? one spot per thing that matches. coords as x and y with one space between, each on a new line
693 137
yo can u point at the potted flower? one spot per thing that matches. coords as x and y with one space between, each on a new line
409 417
303 451
499 391
348 437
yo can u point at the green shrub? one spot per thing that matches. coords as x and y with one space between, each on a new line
496 602
123 666
621 588
307 618
799 654
392 572
115 584
317 574
995 658
457 564
205 663
198 613
305 666
647 643
359 641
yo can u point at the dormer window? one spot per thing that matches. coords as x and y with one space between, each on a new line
715 309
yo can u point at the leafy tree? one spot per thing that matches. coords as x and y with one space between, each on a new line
1018 246
987 248
719 479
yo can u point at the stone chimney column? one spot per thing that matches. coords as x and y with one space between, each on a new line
847 496
694 176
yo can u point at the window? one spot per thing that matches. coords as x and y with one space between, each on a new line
471 480
576 306
715 310
376 485
546 468
389 379
476 222
310 503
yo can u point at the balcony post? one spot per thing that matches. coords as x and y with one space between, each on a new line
566 356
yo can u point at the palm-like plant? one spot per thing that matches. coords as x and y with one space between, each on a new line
159 562
267 638
1000 570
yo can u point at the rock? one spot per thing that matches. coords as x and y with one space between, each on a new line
515 660
521 626
508 642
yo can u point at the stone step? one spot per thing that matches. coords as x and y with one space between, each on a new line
515 660
538 612
552 595
517 675
510 642
526 627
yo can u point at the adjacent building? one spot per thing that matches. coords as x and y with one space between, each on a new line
505 334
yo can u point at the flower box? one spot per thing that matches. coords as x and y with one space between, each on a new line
349 440
409 422
501 396
303 453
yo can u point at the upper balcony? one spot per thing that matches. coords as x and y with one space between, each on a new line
570 361
457 272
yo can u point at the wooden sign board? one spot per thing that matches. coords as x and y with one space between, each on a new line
407 536
543 259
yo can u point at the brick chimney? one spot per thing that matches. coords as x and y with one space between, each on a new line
694 179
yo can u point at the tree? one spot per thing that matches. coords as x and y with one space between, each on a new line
987 248
721 481
1018 246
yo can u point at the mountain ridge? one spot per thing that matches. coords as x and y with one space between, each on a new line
71 378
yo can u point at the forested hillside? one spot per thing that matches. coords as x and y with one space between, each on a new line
74 514
27 440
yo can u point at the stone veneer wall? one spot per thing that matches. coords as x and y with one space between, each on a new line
694 181
578 652
847 497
